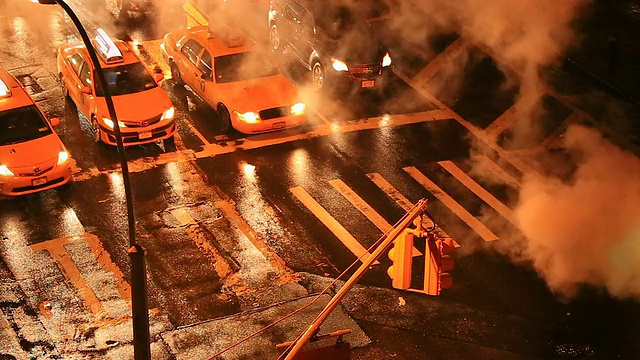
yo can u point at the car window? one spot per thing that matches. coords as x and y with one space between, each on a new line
205 63
243 66
22 124
191 50
76 61
127 79
85 75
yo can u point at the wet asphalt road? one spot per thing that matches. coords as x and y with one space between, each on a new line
222 221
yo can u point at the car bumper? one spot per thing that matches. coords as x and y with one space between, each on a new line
139 136
23 185
362 80
264 126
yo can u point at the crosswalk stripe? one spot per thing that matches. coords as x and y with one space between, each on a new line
364 208
58 252
403 202
488 166
391 191
482 193
331 223
453 205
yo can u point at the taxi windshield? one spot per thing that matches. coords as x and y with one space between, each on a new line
243 66
127 79
22 124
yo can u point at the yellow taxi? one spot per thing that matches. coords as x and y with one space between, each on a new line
229 73
145 112
32 157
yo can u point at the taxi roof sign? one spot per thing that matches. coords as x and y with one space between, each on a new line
107 48
4 90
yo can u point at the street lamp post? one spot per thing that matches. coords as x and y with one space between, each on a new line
140 314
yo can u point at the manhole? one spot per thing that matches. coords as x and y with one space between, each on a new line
30 84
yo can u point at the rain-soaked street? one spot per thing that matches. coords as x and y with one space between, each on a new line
526 148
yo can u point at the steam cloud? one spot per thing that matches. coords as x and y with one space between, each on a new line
587 230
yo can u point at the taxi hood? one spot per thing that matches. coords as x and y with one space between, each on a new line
137 107
31 153
258 94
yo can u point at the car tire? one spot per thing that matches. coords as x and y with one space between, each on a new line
317 75
63 86
274 38
225 118
97 133
175 74
123 13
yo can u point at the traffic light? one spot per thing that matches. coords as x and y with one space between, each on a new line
437 265
401 256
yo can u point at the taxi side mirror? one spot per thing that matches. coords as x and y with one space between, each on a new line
54 121
86 90
158 77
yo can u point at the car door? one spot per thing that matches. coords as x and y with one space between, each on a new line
188 63
205 79
86 79
305 35
72 82
291 23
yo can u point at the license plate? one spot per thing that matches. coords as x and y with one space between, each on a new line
39 181
279 125
368 83
145 135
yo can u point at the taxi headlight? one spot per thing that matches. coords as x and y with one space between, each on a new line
109 123
168 114
298 109
63 156
339 65
386 60
4 171
248 117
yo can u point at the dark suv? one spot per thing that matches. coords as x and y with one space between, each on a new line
330 38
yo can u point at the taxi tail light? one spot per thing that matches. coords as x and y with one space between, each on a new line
63 156
298 109
4 171
4 90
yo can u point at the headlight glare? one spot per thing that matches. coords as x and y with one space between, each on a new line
63 156
4 171
168 114
339 65
386 60
109 123
248 117
298 109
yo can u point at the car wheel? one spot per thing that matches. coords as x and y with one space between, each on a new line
225 118
97 133
123 13
274 38
175 74
317 72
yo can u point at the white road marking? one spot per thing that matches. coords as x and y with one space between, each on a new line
198 134
447 200
491 169
364 208
479 133
481 192
403 202
439 61
331 223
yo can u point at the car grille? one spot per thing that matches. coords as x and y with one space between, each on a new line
144 123
36 172
274 113
29 188
365 71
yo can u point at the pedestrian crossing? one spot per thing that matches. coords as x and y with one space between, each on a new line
474 223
